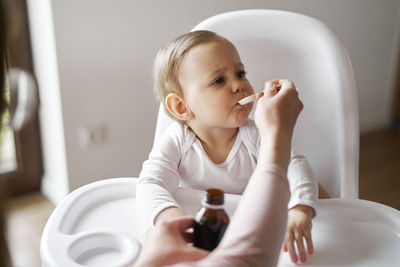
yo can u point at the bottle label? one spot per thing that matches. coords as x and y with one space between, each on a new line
210 206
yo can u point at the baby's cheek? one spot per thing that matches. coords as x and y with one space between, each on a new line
224 105
249 87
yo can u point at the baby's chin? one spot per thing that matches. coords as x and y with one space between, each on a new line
243 115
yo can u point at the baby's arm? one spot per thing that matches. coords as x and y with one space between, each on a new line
303 184
169 213
299 228
302 208
154 193
159 179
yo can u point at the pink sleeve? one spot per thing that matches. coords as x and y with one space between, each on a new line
255 234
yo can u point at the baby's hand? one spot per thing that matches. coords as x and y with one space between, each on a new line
299 228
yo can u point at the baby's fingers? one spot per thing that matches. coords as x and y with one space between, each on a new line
300 246
310 246
285 247
290 247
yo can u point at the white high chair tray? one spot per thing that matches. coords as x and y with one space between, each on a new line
85 230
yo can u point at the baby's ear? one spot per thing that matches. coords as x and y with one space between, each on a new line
177 106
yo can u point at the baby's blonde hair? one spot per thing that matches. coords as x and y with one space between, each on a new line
169 58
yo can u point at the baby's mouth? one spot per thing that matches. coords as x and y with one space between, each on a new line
242 97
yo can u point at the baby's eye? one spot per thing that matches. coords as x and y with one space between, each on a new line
241 74
218 81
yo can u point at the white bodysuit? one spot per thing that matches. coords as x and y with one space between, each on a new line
178 159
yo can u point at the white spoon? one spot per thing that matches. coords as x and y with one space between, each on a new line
249 98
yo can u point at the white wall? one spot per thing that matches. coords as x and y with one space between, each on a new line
105 51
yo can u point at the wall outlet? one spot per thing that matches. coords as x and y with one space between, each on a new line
92 135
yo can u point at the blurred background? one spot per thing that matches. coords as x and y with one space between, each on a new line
93 63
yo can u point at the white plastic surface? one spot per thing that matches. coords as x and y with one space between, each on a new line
96 225
277 44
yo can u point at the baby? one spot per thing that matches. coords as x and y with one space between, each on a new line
199 77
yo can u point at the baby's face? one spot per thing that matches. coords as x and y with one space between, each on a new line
213 80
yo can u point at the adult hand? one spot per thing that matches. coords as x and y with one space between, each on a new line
170 239
279 107
275 117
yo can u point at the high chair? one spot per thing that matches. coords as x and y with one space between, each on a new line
96 225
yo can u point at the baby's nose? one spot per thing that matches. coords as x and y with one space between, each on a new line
237 86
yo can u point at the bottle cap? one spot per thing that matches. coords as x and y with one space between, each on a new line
214 197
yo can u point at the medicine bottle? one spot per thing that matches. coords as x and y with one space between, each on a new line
211 221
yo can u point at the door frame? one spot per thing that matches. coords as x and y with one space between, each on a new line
27 177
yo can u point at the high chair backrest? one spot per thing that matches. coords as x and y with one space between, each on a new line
279 44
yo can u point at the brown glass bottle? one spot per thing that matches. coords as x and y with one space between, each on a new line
211 221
